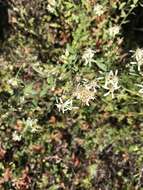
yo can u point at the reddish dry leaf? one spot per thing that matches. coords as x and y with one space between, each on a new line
27 50
24 182
62 185
2 153
98 44
75 160
52 120
58 91
57 136
85 126
7 175
13 20
37 148
99 19
64 38
18 126
79 141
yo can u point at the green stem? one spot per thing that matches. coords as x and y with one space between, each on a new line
130 10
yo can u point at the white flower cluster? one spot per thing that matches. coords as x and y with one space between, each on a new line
84 94
86 91
91 85
114 30
16 136
64 106
98 9
138 57
31 125
88 56
138 60
111 83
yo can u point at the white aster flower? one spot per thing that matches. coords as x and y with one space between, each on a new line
84 95
138 56
113 31
98 9
86 92
88 55
64 106
16 136
30 122
111 78
31 125
111 83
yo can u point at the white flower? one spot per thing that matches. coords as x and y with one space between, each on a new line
88 56
138 56
64 106
31 125
98 9
91 85
84 95
16 136
111 83
113 31
86 92
30 122
111 78
13 82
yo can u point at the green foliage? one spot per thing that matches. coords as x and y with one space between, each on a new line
71 98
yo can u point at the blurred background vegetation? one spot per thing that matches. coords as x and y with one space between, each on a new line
52 51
